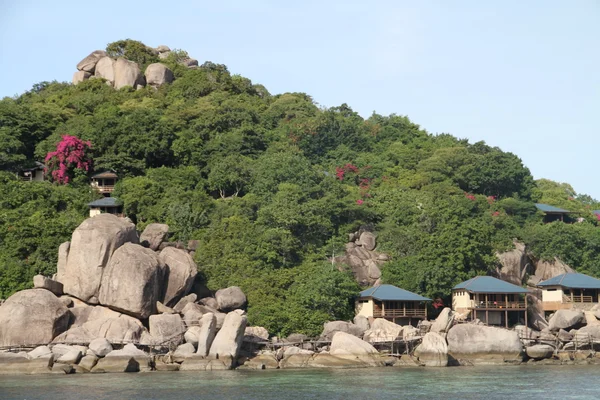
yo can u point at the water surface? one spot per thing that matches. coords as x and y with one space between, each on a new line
488 383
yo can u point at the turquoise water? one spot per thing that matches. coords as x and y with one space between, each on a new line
489 383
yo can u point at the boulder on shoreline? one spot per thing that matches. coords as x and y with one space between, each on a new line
433 350
32 317
481 344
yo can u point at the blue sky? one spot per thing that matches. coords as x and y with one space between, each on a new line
521 75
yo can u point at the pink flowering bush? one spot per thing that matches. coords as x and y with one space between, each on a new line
70 154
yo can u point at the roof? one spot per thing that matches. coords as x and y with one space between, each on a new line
105 174
391 293
38 166
488 284
551 209
572 280
106 202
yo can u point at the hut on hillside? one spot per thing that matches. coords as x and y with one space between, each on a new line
104 182
569 291
490 300
109 205
392 303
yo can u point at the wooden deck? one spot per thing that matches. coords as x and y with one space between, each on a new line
499 305
400 313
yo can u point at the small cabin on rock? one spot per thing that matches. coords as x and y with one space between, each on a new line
392 303
490 300
569 291
108 205
36 173
104 182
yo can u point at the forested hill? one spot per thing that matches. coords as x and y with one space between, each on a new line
271 186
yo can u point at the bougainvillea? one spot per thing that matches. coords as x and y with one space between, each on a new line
70 154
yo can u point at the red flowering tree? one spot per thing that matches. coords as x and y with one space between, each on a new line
71 153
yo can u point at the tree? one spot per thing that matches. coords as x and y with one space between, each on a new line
71 153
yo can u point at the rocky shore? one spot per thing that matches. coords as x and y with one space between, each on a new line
128 302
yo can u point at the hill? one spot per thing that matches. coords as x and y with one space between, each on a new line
271 186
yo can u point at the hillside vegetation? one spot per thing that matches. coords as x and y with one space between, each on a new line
271 185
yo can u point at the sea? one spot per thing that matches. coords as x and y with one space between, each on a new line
465 383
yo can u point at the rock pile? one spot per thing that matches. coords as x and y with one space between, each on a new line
110 290
362 259
120 72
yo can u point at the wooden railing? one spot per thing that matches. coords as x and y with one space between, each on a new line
579 299
511 305
105 188
409 312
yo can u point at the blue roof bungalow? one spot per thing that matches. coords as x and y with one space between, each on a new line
569 291
109 205
492 300
552 213
392 303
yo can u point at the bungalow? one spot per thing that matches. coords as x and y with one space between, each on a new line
110 205
570 290
552 213
36 173
492 300
104 182
392 303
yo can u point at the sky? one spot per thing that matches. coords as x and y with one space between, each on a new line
520 75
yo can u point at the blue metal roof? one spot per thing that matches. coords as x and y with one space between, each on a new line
391 293
106 202
572 280
488 284
551 209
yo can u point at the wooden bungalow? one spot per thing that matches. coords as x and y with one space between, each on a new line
110 205
104 182
36 173
392 303
552 213
568 291
492 300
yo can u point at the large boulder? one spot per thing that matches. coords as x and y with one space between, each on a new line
184 301
103 322
382 330
192 313
343 344
443 321
256 334
546 269
80 76
100 347
206 334
43 282
367 240
482 344
158 74
92 245
153 235
88 64
166 329
192 335
433 350
131 281
362 322
514 264
181 272
61 265
127 73
330 328
128 359
539 351
347 350
106 69
566 319
230 298
228 341
20 364
32 317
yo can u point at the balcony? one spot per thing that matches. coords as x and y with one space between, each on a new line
399 313
498 305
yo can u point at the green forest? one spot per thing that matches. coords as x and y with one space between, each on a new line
271 185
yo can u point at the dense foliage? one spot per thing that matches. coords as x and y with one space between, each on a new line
271 185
